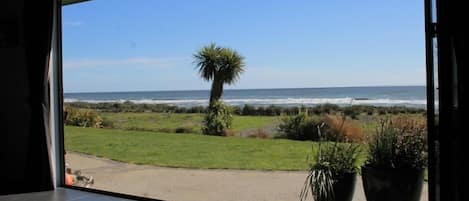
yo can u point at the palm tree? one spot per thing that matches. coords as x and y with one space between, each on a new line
220 64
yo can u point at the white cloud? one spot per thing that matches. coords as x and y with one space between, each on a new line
73 23
131 62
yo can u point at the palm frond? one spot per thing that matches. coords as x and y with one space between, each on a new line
225 63
206 60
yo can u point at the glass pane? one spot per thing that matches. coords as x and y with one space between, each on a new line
236 100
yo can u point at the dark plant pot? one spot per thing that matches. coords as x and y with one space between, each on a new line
392 184
345 186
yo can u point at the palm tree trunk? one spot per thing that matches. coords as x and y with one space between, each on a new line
216 91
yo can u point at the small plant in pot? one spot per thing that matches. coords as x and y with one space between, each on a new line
332 173
396 161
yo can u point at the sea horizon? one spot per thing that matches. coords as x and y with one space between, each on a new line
229 89
410 96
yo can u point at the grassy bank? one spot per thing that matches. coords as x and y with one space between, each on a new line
169 122
188 150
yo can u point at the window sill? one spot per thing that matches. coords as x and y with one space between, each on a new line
60 194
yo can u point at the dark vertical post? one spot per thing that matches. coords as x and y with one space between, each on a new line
432 137
452 61
58 82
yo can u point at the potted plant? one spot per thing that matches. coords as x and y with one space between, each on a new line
332 173
396 161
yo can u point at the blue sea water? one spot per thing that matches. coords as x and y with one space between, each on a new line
411 96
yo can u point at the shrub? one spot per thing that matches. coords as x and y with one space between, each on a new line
260 111
237 110
352 111
165 130
82 117
395 111
217 119
398 143
299 127
411 143
228 133
316 111
382 111
342 130
135 128
291 127
108 123
329 108
259 133
184 129
273 110
333 128
181 110
248 110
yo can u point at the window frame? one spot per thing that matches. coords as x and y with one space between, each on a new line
56 118
57 126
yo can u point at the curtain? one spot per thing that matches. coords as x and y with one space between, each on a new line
452 34
25 138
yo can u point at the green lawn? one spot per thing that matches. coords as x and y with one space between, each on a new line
189 150
167 122
128 143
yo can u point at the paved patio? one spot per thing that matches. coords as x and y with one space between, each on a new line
193 184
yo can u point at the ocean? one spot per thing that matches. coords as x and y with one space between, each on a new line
410 96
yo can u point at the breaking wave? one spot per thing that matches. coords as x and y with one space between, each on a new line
274 101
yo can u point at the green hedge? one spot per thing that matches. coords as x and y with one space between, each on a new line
251 110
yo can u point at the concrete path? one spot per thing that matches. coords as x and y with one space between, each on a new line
192 184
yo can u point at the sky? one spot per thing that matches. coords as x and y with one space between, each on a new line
148 45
